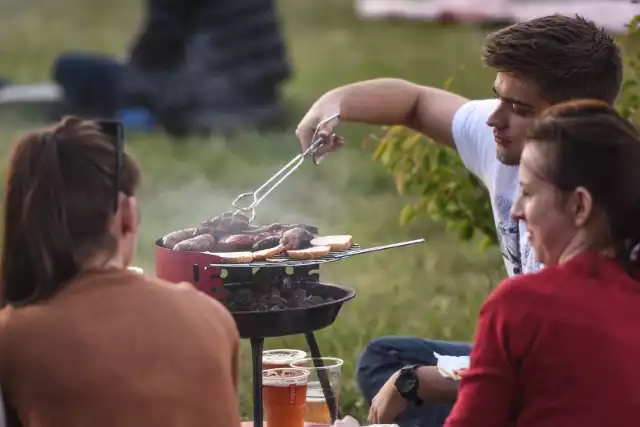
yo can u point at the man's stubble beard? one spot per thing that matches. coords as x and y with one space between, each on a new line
508 159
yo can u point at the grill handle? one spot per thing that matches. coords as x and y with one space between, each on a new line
381 248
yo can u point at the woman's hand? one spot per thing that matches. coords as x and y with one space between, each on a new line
387 404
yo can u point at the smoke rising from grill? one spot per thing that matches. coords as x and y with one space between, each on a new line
296 200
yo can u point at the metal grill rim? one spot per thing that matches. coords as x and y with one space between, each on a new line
331 257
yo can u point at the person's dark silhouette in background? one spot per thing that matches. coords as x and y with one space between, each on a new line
197 66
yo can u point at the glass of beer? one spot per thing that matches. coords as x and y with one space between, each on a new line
317 410
284 393
281 358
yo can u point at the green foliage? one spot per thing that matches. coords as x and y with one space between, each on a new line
445 190
629 100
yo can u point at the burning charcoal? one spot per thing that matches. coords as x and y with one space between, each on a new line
296 238
198 244
276 301
298 298
315 300
275 297
299 295
287 283
245 294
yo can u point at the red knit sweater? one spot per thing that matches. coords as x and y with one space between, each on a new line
557 348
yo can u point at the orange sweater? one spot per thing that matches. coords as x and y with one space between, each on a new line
116 348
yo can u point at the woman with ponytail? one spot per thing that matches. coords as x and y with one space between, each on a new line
560 347
83 340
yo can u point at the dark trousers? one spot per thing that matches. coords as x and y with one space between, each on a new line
92 84
384 356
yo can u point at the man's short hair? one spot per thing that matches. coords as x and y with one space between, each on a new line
567 58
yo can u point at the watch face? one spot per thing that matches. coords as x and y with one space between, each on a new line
406 385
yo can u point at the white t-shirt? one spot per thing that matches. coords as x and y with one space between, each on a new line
476 146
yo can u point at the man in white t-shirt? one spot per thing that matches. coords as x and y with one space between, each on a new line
538 63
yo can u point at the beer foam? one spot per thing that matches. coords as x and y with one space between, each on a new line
284 377
328 363
281 357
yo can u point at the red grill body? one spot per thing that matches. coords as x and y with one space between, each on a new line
193 267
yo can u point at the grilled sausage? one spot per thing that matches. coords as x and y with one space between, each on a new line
271 229
310 228
228 222
172 239
201 243
277 228
296 238
266 243
240 242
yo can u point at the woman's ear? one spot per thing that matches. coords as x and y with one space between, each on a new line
581 206
128 214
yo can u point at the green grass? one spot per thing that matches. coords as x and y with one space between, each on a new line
432 290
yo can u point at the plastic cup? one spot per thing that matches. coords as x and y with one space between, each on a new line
281 358
284 394
317 410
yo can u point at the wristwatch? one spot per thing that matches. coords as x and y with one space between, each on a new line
407 384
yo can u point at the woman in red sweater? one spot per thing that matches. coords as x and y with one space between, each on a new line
561 347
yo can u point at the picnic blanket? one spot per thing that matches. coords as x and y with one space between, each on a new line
613 15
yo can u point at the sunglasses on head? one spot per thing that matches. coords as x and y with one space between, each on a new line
115 130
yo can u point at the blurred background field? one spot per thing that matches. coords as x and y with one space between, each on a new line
432 290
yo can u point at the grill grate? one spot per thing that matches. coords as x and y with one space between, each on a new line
287 262
332 257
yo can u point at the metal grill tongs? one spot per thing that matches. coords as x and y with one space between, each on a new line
265 189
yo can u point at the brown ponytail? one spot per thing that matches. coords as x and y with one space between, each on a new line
58 204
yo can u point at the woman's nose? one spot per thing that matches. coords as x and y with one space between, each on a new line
517 212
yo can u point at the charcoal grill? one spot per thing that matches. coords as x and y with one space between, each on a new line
219 280
258 325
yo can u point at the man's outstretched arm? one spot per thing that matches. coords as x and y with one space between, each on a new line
385 101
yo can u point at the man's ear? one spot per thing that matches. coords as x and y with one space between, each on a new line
581 206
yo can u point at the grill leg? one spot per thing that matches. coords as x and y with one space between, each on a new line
323 377
256 357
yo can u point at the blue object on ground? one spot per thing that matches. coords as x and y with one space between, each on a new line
137 119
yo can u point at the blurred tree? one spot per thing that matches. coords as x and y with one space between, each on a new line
446 191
